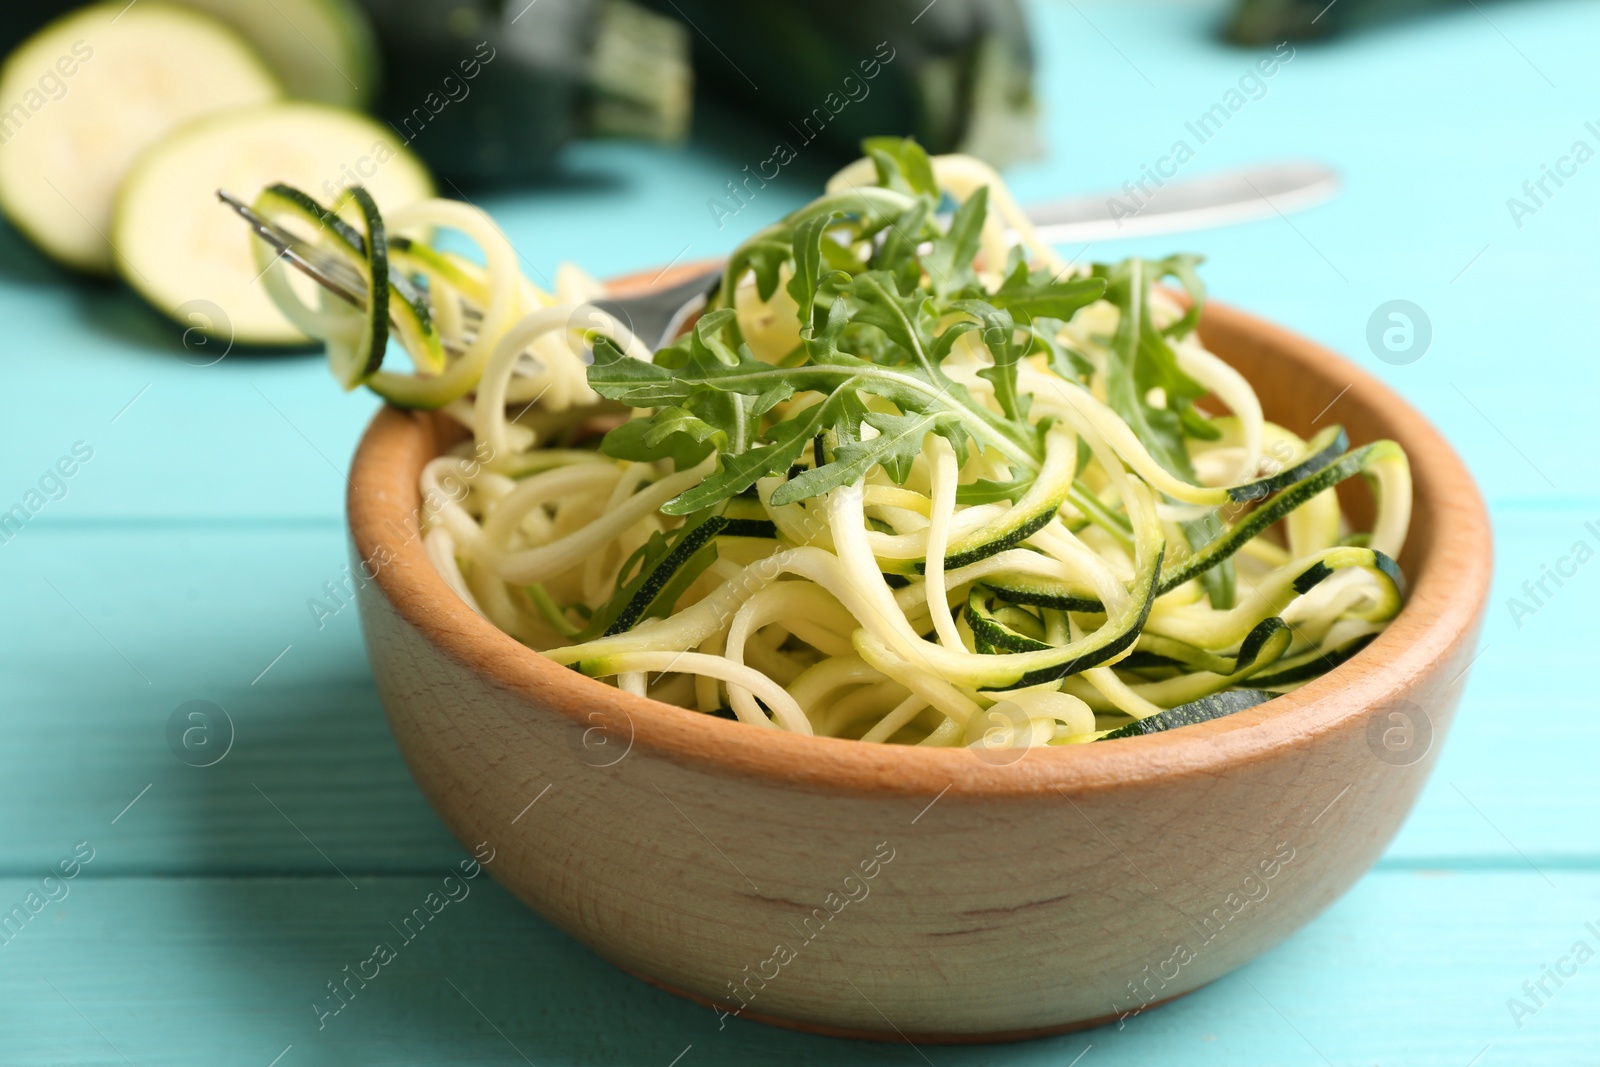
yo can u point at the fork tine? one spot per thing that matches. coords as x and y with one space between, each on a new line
655 315
300 255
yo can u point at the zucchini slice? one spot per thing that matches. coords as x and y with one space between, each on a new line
175 244
356 361
355 339
1051 663
1030 514
1320 452
1203 710
992 630
281 198
1214 630
1358 461
427 262
1304 666
321 49
1038 591
1155 652
1019 522
664 567
1263 647
87 94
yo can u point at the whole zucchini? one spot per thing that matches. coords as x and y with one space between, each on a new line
956 74
23 20
487 91
1260 22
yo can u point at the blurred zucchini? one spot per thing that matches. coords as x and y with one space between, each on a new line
957 74
21 20
1258 22
487 91
85 95
1269 21
165 225
319 49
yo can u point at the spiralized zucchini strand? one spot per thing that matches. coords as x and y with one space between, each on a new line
911 478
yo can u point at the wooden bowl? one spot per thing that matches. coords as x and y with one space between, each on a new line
929 894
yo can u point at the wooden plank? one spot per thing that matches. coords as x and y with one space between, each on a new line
227 971
176 615
202 610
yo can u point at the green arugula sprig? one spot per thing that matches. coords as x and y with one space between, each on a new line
885 288
1142 360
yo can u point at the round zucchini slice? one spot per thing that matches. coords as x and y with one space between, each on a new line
178 246
86 94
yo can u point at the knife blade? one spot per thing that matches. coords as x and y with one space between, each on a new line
1210 200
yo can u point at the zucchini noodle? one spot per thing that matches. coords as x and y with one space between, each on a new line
910 478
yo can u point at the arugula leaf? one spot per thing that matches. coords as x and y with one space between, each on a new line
1029 294
1141 360
655 576
989 491
704 356
676 434
895 448
1182 267
867 385
701 380
896 254
1063 359
870 210
901 164
1197 423
808 277
841 413
765 257
999 337
905 320
949 260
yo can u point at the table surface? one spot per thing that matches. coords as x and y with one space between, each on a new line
180 563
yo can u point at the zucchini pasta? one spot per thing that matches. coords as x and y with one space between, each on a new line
909 478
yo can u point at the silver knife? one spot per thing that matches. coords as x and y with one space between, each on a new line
1217 199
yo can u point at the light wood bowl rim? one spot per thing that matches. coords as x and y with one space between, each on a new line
1443 606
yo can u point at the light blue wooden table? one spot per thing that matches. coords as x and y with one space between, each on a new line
178 564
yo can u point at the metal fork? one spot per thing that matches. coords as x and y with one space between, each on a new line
1174 205
654 317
